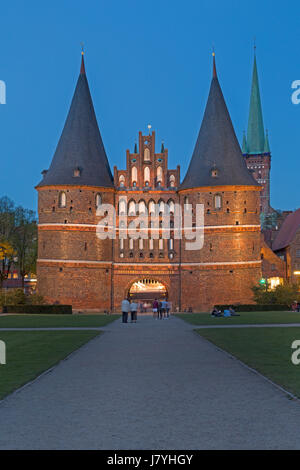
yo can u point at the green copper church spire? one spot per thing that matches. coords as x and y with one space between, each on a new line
244 144
255 134
267 145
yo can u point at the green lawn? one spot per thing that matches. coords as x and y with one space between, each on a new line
48 321
267 350
29 353
246 318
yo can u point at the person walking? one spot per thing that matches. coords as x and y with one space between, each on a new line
155 308
160 310
133 311
125 309
168 308
164 308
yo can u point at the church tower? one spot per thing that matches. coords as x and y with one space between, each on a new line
228 265
256 148
74 266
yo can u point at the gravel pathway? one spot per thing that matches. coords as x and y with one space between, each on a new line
150 385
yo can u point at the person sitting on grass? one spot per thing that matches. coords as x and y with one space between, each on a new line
215 312
233 313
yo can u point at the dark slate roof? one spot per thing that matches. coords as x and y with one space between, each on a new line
287 231
80 145
217 147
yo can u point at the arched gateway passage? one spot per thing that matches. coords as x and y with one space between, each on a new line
146 290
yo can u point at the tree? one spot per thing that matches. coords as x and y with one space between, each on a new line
6 258
25 241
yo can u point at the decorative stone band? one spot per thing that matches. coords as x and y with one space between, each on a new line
110 263
92 227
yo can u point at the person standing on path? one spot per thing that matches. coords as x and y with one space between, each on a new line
125 309
133 311
155 308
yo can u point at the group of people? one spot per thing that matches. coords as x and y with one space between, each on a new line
160 308
230 312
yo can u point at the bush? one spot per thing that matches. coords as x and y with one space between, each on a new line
255 307
12 297
40 309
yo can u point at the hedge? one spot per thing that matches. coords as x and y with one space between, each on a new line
39 309
255 307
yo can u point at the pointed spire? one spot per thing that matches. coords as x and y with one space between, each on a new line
255 134
214 65
80 145
267 145
162 147
217 158
244 144
82 68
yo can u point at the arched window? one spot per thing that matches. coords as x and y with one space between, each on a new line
186 200
171 206
146 155
134 175
161 207
159 174
146 175
62 200
131 243
142 207
122 180
132 208
151 207
98 200
172 181
122 207
218 201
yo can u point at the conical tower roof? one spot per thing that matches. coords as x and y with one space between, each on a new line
217 158
80 146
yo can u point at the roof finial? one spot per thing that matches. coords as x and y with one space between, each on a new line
214 64
82 68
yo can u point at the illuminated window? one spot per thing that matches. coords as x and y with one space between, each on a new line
147 175
132 208
146 155
62 200
159 174
122 180
98 200
134 175
275 281
218 201
122 207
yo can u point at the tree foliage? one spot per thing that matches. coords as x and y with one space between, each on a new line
18 239
282 294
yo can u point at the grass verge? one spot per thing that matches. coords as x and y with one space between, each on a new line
267 350
29 353
245 318
52 321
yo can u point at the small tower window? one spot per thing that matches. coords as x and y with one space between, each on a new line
77 172
62 200
214 172
98 200
218 201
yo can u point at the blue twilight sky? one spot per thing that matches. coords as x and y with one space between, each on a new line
147 62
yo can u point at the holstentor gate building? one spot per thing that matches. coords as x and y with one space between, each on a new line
76 267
